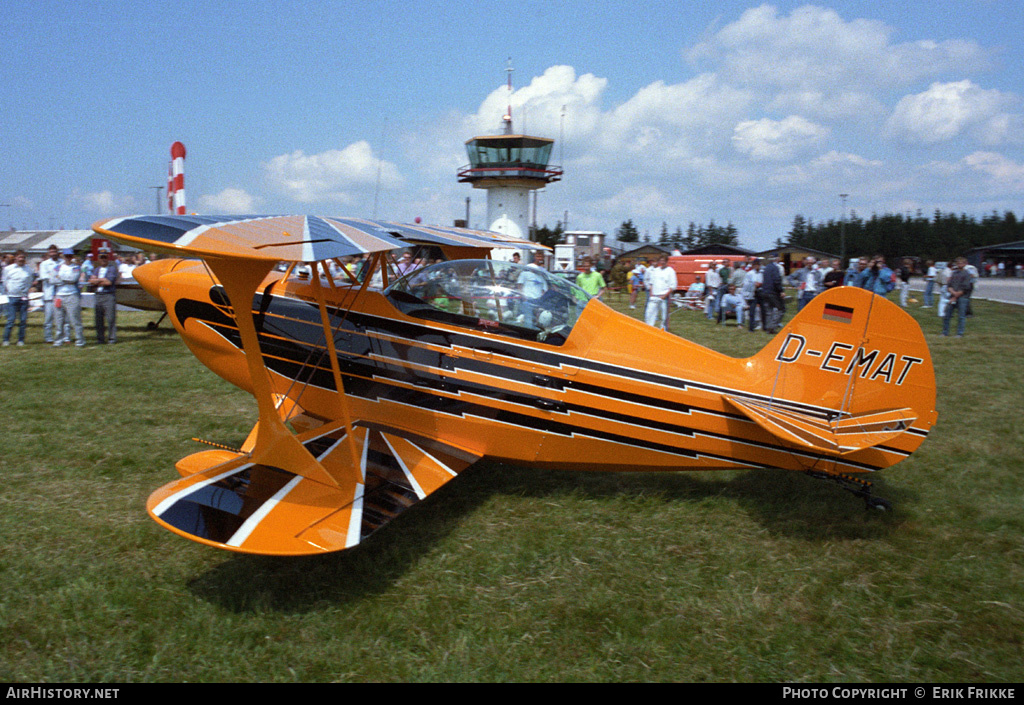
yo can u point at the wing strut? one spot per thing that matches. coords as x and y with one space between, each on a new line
275 445
325 321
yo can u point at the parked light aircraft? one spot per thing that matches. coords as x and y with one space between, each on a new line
370 398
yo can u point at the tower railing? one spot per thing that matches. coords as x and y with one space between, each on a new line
540 172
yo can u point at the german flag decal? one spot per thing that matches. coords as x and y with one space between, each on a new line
843 314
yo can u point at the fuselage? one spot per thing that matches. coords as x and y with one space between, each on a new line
606 392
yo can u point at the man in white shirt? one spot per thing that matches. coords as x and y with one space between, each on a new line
661 282
712 281
69 299
929 284
48 277
17 280
751 294
125 268
532 285
808 281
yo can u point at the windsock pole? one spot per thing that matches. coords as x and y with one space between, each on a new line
176 180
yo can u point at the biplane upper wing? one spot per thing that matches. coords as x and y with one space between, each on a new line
290 238
327 487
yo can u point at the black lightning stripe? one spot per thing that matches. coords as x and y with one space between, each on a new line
292 344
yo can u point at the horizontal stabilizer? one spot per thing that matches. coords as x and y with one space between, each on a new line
843 434
226 501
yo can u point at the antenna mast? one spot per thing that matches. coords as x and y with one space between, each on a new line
508 115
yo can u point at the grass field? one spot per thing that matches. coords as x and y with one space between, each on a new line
510 573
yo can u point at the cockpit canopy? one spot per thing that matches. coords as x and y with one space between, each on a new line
522 301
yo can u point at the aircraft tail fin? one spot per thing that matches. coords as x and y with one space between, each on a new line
850 372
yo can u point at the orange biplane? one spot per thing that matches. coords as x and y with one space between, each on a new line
372 394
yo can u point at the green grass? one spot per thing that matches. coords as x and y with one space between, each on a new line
510 573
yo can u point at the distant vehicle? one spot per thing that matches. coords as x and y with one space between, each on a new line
565 259
689 266
134 296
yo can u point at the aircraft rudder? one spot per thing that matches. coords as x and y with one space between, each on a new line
853 352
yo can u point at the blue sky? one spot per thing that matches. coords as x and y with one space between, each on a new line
673 111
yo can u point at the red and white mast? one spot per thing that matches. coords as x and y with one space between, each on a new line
176 180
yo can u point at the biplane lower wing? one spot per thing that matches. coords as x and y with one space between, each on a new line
225 500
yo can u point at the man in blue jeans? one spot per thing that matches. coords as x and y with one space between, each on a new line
959 287
929 283
17 280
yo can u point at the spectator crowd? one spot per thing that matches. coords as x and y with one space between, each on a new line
753 291
57 283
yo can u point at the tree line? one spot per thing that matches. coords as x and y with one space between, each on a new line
943 236
695 235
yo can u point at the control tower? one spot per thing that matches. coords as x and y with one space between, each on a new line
508 167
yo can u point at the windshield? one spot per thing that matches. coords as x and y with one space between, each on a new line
513 299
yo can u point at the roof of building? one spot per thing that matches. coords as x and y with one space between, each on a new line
719 250
647 248
38 241
798 249
1015 248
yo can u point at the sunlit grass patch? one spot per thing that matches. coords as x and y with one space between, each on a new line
510 573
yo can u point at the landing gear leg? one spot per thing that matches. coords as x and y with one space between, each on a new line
858 487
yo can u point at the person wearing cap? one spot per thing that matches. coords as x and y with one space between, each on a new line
960 286
104 281
69 299
17 280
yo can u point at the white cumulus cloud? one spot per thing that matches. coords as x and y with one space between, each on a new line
102 202
675 121
230 201
777 139
335 176
537 107
816 62
1001 171
949 110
